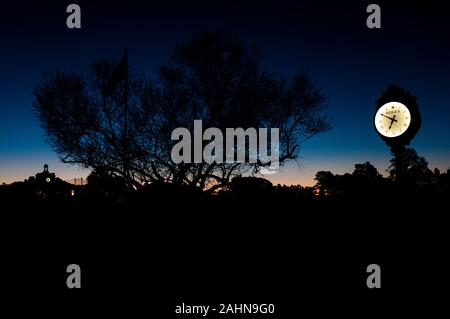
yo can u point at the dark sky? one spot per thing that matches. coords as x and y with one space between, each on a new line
328 39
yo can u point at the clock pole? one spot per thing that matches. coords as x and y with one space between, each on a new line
398 151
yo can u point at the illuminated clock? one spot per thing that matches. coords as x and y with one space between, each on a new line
392 119
48 179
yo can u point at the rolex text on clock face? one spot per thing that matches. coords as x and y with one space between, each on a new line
392 119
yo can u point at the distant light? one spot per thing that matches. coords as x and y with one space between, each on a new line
72 192
47 179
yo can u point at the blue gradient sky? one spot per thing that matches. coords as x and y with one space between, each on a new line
351 63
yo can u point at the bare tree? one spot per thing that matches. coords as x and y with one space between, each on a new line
213 77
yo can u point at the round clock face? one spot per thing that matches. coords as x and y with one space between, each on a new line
392 119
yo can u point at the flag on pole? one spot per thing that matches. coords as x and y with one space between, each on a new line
119 74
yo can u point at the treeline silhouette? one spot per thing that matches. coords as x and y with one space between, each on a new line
365 182
248 229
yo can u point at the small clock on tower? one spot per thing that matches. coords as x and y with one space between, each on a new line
397 119
392 119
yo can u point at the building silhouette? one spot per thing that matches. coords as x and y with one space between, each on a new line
42 186
43 178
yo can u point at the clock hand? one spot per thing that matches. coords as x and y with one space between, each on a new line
392 121
391 118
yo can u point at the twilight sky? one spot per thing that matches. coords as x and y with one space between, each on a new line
328 39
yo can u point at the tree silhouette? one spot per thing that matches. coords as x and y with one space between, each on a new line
103 182
364 181
250 187
213 77
415 168
366 170
325 183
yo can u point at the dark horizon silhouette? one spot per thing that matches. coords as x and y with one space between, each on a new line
364 182
351 63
